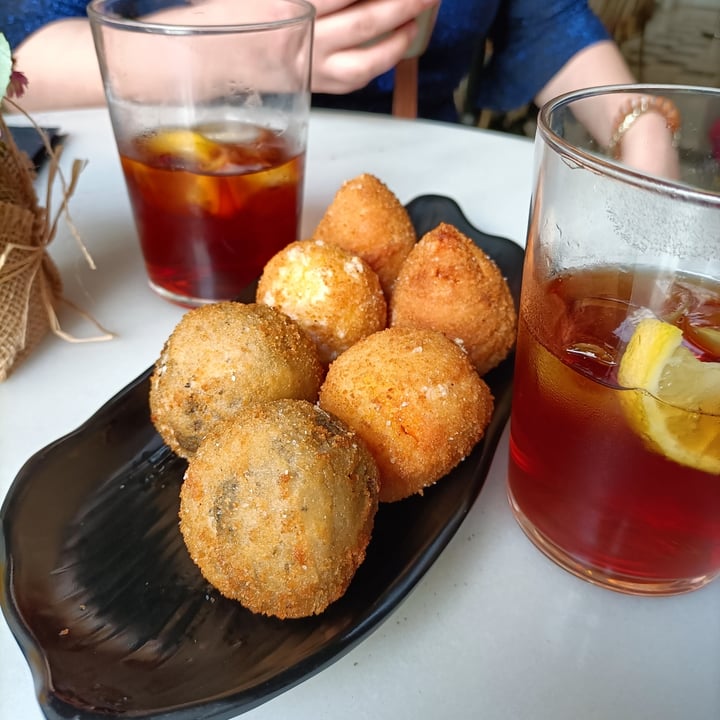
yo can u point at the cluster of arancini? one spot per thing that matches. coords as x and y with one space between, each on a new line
355 378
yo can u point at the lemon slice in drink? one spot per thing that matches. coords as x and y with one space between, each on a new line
674 400
188 146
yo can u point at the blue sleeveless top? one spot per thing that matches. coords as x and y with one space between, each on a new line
531 41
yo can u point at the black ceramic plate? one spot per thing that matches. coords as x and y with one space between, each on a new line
114 618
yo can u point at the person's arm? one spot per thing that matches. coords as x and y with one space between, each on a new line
598 64
648 145
60 64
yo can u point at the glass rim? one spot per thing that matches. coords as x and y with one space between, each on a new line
614 168
306 11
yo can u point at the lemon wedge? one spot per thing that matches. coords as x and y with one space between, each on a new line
674 398
188 146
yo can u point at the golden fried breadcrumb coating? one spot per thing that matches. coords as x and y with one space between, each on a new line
277 508
222 357
367 219
415 399
448 283
334 295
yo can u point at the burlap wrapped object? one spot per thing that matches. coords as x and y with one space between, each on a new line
30 284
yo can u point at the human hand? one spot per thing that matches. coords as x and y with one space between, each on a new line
357 40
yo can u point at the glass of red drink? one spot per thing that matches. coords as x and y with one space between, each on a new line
209 103
614 465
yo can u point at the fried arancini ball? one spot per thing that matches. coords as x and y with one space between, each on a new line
412 395
277 508
333 295
448 283
222 357
367 219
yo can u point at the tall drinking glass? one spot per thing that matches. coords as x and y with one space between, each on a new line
615 431
209 102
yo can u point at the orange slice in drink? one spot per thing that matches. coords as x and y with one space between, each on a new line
673 400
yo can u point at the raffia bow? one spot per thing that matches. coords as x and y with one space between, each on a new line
30 284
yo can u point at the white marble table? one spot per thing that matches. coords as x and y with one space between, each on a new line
494 630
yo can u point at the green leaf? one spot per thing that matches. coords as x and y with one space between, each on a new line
5 64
